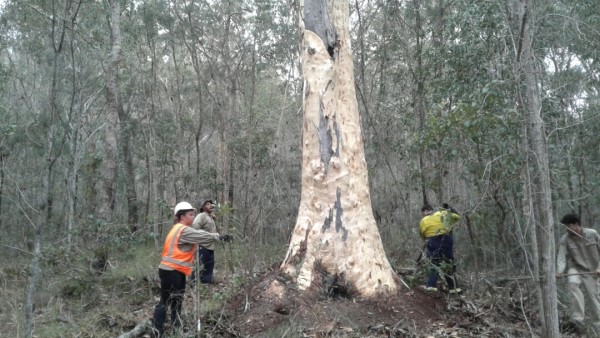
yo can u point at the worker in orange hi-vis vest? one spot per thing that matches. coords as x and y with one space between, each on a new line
176 263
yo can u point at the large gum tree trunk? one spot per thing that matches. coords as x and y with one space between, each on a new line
335 243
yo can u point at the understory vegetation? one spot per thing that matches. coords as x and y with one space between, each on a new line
112 111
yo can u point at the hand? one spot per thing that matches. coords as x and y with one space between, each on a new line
225 238
559 275
448 207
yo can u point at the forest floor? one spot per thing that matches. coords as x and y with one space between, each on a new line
272 307
73 301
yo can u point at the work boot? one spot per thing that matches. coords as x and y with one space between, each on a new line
576 327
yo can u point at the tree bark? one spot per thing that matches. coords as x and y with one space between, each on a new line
541 212
58 28
3 155
418 94
112 116
76 116
228 105
335 242
132 199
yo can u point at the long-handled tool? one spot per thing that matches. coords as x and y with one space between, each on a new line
197 296
504 279
577 274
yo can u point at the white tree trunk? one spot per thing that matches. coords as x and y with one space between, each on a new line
335 240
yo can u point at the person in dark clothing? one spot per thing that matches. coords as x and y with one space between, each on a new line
206 253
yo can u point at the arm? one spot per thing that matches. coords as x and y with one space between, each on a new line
448 218
597 238
561 258
454 217
200 237
422 229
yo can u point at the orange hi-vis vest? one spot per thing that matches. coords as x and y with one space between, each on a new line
175 258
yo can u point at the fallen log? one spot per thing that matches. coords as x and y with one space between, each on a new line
138 330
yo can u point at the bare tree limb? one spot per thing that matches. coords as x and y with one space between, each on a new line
138 330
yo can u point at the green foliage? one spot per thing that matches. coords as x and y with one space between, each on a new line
55 256
53 330
181 63
77 286
135 263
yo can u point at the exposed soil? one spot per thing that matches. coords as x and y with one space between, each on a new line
272 307
273 303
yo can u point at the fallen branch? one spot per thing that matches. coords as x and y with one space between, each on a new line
138 330
509 279
577 274
506 279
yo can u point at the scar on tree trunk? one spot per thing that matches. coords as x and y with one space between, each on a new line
331 285
316 19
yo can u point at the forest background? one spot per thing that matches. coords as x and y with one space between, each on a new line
112 111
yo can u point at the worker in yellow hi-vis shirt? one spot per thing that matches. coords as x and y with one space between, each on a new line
435 228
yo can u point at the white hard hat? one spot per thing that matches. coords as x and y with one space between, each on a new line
182 206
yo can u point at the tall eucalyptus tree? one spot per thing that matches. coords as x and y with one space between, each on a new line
538 197
107 199
335 240
61 17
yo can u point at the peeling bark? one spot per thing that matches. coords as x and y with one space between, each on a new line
335 244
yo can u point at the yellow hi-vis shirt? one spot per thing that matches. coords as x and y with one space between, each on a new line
437 223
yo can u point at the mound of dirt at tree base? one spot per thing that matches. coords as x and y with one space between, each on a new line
274 307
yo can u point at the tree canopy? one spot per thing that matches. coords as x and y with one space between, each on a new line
208 105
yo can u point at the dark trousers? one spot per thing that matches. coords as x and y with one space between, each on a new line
172 288
207 257
440 252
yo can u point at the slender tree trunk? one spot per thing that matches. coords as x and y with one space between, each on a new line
76 118
192 45
59 24
107 203
229 87
335 242
2 156
541 212
91 173
153 197
419 95
37 242
130 192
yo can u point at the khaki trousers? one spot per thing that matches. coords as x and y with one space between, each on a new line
590 285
